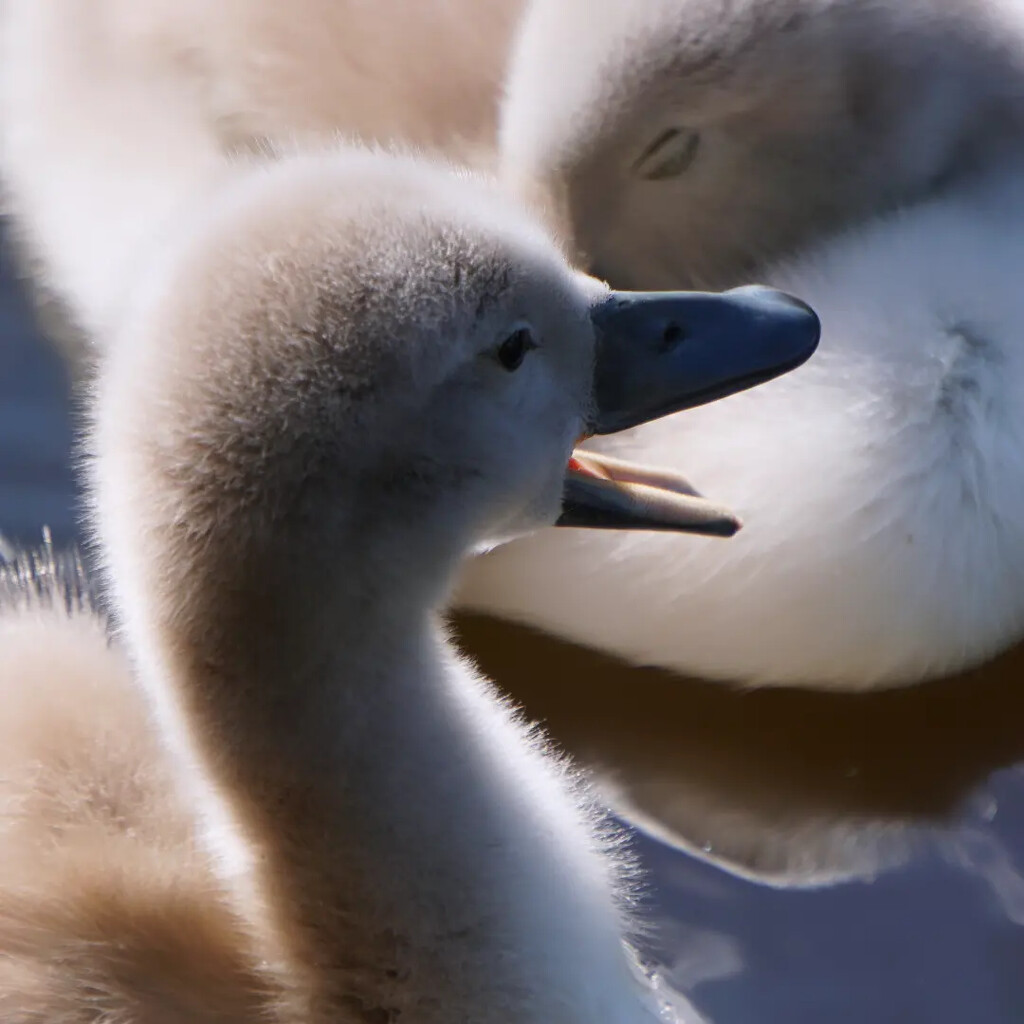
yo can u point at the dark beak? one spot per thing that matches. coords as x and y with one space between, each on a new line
662 352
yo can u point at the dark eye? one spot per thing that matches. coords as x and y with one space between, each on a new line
668 155
512 351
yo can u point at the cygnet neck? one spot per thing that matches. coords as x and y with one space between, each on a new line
314 684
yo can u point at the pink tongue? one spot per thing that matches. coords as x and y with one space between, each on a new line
583 468
595 473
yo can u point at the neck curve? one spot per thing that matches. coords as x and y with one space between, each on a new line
296 682
407 847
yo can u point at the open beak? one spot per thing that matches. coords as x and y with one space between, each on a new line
659 353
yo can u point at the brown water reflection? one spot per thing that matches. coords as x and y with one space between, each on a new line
814 794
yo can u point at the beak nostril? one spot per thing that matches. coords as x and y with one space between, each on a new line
672 335
657 353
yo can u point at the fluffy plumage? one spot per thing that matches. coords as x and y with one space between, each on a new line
881 485
693 143
109 907
110 109
287 468
301 430
701 142
673 144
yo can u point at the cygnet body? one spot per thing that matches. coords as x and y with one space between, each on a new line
110 907
881 485
105 103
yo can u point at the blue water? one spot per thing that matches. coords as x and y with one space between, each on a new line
36 482
932 933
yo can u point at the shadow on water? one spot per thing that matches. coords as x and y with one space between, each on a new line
814 858
739 771
872 845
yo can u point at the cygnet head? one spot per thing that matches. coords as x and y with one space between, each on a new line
350 336
361 350
688 143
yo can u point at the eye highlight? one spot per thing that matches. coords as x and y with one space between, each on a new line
512 351
668 155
